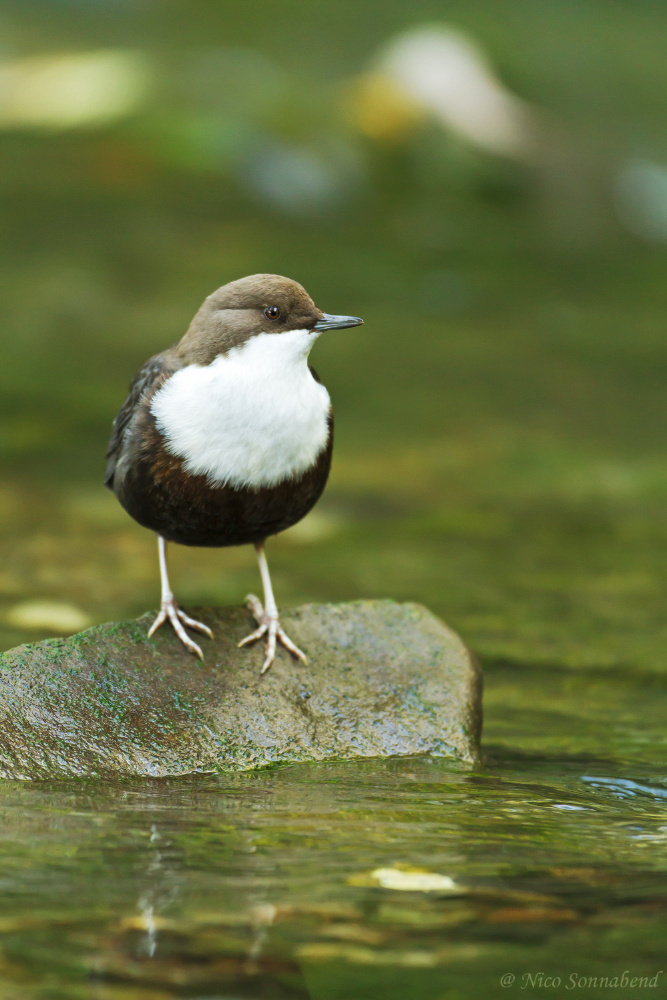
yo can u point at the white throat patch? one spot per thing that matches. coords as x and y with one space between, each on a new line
253 417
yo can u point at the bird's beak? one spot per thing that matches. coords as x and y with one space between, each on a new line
329 322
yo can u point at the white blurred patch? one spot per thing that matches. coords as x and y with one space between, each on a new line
415 881
641 199
70 91
445 72
47 616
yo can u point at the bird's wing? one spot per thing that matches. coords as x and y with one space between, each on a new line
155 371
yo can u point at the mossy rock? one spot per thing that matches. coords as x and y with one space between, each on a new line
383 679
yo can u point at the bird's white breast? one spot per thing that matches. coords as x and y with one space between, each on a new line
253 417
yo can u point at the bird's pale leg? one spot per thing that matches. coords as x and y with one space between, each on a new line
267 618
170 609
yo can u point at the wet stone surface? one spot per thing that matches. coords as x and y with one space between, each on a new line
383 679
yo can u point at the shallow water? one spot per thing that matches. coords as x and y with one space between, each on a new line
304 881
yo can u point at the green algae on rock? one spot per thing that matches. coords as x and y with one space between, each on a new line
383 679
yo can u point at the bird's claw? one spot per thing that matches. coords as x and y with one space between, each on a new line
171 610
269 625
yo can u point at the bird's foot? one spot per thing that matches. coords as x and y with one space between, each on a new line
171 610
269 625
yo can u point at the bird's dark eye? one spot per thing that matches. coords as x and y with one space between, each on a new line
272 312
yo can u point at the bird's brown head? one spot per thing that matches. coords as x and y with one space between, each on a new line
260 303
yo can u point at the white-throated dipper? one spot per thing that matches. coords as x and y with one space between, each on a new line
226 437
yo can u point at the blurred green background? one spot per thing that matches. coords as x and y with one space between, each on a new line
485 182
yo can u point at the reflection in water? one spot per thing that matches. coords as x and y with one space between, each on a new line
625 788
374 878
147 946
262 918
147 900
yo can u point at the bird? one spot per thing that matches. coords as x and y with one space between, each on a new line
225 438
